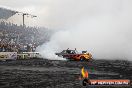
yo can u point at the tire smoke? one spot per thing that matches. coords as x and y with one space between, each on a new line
103 28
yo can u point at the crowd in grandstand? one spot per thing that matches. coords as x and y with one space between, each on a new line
15 38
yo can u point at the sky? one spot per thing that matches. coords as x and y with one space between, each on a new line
103 27
64 13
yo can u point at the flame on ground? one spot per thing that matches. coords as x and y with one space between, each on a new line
84 73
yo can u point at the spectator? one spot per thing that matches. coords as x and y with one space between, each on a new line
14 38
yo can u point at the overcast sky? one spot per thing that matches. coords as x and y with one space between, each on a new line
65 13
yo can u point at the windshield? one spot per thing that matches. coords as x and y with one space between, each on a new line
70 52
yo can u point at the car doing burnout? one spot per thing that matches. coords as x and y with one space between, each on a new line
74 55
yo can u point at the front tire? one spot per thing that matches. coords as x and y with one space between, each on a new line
82 58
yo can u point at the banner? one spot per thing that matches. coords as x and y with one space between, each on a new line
8 55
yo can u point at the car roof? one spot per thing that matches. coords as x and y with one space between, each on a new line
69 50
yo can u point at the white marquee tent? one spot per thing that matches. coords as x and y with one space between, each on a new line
6 13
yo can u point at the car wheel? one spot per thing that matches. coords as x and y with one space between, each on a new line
82 58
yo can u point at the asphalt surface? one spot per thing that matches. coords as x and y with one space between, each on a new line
42 73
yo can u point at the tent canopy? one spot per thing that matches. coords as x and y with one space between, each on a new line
6 13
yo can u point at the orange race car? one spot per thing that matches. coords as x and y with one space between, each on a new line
75 55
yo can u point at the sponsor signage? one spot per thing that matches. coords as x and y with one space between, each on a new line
102 82
8 55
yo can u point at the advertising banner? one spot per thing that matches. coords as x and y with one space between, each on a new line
8 55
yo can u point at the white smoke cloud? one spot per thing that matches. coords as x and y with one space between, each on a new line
101 27
48 50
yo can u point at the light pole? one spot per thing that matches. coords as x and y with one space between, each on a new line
23 17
